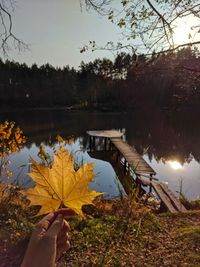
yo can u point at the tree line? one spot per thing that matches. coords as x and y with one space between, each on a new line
168 80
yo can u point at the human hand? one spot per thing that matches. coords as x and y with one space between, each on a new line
49 240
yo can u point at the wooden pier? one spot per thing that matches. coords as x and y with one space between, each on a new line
135 164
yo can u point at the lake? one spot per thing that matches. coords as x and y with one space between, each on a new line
168 141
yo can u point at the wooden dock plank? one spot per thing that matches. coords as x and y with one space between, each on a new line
140 167
143 181
106 133
163 197
179 206
135 160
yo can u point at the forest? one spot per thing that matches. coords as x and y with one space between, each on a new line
66 200
167 80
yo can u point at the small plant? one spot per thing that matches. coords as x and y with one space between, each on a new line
11 141
190 204
45 157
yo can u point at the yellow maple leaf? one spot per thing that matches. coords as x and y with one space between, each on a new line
60 185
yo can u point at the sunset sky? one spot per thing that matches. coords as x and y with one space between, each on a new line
56 30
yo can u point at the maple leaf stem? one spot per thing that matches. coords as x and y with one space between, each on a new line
62 205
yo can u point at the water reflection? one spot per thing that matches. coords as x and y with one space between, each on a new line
161 137
174 164
105 177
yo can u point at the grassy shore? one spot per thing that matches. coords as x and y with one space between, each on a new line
111 234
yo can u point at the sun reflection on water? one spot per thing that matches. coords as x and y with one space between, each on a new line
174 164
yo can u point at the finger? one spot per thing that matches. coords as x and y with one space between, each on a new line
66 227
63 239
56 226
66 212
65 246
62 234
62 248
45 222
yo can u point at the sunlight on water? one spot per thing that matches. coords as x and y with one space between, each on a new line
175 164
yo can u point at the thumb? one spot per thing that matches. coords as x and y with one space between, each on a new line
56 226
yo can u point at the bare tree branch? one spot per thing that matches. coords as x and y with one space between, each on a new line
174 48
7 38
98 5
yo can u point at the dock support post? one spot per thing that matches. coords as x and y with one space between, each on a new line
94 143
90 143
117 156
150 187
129 170
124 166
138 183
105 143
110 145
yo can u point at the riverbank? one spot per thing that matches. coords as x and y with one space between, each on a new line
101 108
114 233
